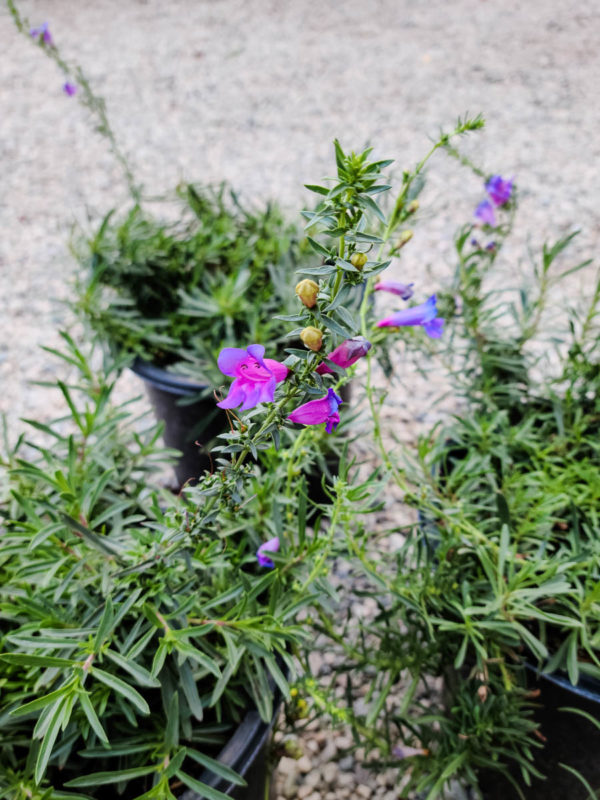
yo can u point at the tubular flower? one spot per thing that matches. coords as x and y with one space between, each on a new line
69 88
312 338
405 751
307 291
424 314
255 376
485 213
316 411
403 290
43 31
346 354
499 189
272 546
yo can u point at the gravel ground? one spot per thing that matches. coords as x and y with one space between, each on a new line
254 92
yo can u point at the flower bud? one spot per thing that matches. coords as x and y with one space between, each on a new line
412 207
346 354
312 338
307 291
358 260
405 237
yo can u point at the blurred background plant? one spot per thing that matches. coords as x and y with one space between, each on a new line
173 292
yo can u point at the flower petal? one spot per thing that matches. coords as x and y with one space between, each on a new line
280 371
236 395
417 315
485 213
271 546
332 422
499 189
434 328
230 358
403 290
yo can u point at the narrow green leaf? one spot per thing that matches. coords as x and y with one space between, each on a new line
222 770
92 717
314 188
368 202
105 626
47 745
102 778
30 660
142 675
317 247
41 702
124 689
203 790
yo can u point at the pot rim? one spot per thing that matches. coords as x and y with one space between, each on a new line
166 380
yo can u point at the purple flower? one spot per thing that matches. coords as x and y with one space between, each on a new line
43 31
425 315
499 189
69 88
255 376
491 246
405 751
346 354
485 213
272 546
404 290
316 411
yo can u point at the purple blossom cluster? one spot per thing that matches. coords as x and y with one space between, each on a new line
499 192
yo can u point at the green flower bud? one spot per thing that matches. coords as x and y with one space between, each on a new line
405 237
412 207
358 260
312 338
307 291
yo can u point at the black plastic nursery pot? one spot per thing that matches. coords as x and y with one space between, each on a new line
570 739
246 753
191 422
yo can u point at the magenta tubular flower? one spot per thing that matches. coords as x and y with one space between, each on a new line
255 376
43 31
425 315
485 213
69 88
346 354
317 411
499 189
403 290
272 546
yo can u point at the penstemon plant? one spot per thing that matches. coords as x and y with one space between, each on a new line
136 627
496 584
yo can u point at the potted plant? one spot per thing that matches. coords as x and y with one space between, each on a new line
494 593
173 294
170 281
137 627
144 647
